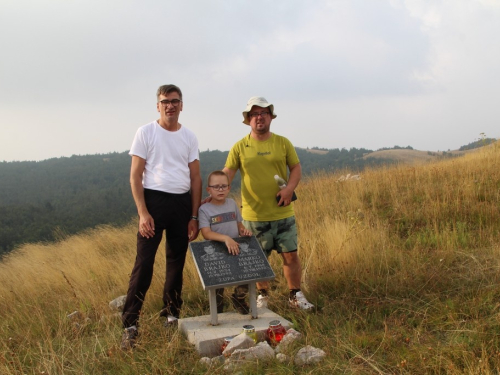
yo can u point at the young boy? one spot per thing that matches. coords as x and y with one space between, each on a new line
220 220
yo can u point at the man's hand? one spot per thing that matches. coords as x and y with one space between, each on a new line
285 195
193 230
244 232
146 225
206 200
232 246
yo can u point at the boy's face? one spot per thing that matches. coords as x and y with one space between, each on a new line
218 188
209 249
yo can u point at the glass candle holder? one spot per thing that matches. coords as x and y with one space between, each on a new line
226 342
275 332
249 330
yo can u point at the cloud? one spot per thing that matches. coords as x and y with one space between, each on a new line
366 74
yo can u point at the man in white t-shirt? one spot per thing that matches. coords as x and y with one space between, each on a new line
166 186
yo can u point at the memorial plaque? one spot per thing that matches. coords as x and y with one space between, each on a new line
217 268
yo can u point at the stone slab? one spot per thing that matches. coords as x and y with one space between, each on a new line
208 339
217 268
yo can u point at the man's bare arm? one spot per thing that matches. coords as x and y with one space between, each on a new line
146 222
295 176
194 174
230 173
293 180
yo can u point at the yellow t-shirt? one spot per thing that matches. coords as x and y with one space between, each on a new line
258 162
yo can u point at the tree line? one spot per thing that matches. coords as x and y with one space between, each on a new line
40 201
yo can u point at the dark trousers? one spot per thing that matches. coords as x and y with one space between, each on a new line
171 212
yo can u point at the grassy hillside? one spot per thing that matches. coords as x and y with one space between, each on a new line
412 156
403 266
41 200
407 156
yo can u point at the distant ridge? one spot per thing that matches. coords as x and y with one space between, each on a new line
40 201
416 156
411 156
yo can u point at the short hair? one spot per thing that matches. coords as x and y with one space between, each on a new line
166 89
217 173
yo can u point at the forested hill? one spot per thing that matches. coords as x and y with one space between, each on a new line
65 195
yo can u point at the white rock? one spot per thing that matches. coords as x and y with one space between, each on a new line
290 337
242 341
261 352
282 358
75 315
309 355
230 366
205 361
118 303
219 360
349 177
264 348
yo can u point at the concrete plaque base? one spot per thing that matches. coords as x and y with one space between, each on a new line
208 339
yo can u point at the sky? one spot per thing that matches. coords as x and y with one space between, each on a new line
80 77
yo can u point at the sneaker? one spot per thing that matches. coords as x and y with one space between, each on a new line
300 302
240 305
166 312
262 301
129 338
171 321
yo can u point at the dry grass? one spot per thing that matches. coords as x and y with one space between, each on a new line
409 156
404 156
403 266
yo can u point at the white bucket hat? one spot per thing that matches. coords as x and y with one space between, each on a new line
259 101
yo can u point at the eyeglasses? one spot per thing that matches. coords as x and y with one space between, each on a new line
174 102
219 187
257 114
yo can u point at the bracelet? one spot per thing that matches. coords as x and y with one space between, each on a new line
194 218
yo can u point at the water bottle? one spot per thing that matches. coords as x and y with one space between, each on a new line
282 184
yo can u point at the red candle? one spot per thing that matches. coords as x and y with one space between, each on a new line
226 342
275 332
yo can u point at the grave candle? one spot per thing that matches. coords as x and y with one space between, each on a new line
275 332
249 330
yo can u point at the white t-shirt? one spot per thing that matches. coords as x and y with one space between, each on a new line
167 156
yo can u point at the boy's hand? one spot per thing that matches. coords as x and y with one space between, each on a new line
245 232
232 246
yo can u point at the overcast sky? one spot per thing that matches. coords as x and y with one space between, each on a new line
79 77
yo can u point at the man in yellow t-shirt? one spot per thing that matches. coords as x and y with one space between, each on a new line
267 211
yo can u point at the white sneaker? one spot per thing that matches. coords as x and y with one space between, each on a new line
262 302
300 301
171 321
